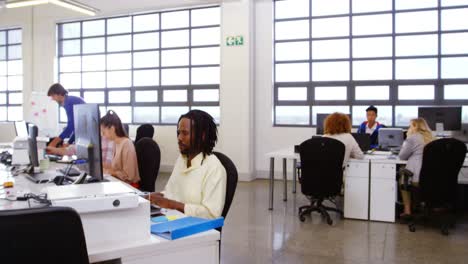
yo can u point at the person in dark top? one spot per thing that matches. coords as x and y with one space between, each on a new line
371 126
145 130
60 95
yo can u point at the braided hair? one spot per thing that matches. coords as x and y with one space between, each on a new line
203 131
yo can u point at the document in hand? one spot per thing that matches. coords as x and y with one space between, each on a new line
185 227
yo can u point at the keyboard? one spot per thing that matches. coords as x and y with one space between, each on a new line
72 172
379 152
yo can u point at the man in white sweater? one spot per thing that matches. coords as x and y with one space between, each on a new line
197 186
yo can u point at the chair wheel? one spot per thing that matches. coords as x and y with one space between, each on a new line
445 231
302 218
329 221
412 228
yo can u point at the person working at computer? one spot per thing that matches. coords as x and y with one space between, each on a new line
124 163
338 126
371 126
418 136
107 150
197 186
60 95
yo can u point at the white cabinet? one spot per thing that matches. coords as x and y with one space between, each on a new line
382 200
383 191
356 192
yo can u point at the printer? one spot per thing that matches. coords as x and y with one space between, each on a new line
20 151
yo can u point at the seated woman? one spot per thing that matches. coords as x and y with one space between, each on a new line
124 163
107 150
338 126
418 136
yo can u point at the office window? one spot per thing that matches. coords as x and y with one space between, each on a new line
344 55
11 75
149 68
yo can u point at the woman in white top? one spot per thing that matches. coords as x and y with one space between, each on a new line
418 136
338 126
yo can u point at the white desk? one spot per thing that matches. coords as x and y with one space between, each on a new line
283 154
204 247
370 184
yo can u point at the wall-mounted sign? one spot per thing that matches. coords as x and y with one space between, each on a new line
235 41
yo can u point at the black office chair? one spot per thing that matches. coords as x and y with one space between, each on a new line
42 235
231 181
438 179
149 159
145 130
231 185
321 175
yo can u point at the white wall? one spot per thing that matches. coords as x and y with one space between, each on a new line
236 99
269 138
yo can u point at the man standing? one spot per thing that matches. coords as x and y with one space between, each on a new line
197 186
371 126
60 95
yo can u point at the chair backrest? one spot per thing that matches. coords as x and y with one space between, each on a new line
42 235
149 159
231 181
442 161
321 167
145 130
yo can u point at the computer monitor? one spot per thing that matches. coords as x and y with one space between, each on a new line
88 139
21 129
320 122
32 148
363 140
390 137
442 118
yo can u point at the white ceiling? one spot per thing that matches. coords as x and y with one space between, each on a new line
125 6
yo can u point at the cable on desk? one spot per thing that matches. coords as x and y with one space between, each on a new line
40 198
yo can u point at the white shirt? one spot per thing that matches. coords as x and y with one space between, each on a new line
370 130
352 149
202 187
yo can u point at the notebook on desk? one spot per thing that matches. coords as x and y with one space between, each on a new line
185 227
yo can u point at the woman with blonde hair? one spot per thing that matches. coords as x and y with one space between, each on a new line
338 126
418 136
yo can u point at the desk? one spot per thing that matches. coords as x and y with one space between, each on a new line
283 154
370 184
204 247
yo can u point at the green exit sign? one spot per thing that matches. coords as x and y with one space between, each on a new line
235 41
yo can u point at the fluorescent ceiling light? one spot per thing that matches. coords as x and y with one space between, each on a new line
73 5
25 3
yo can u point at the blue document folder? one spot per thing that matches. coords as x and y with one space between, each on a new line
185 227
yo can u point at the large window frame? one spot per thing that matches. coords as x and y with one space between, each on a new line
392 83
159 88
11 75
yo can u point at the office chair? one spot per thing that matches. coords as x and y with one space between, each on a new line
321 175
442 161
145 130
231 185
231 180
42 235
149 159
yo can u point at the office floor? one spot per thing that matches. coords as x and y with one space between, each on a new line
253 234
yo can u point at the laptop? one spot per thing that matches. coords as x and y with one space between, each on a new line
363 141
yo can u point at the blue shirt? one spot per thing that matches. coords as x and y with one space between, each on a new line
69 131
